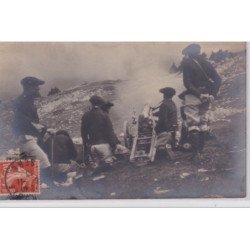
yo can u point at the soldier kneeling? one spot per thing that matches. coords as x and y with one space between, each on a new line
98 135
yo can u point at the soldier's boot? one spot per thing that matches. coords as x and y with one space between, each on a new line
202 139
45 177
195 142
170 152
103 167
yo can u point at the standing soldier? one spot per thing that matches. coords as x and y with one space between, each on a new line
167 124
202 84
98 134
26 124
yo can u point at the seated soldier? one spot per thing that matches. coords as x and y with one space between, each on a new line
62 154
63 147
167 124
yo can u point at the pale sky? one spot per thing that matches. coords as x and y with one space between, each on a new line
67 64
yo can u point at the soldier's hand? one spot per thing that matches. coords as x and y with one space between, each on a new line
204 97
121 149
51 131
38 126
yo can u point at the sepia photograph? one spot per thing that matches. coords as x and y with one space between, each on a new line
122 120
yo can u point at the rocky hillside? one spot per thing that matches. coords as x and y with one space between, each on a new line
232 95
65 109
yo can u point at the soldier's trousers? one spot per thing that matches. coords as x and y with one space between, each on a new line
197 119
102 154
196 112
164 139
29 146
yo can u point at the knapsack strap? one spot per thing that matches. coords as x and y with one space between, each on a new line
201 68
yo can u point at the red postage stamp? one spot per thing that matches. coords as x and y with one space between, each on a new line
19 177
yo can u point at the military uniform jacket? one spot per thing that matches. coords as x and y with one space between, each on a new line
195 77
97 128
25 113
167 117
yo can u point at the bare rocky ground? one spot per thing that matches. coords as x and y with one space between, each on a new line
222 174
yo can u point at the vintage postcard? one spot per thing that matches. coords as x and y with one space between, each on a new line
114 120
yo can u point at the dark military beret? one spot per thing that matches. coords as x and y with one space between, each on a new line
96 100
31 81
168 91
192 49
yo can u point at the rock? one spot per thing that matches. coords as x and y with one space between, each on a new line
54 91
221 56
56 183
97 178
184 175
204 179
44 186
158 190
67 183
202 170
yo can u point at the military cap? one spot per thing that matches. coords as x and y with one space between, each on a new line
108 104
192 49
96 100
168 91
31 81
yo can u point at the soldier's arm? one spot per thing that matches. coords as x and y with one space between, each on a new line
21 110
214 74
25 122
157 113
188 83
112 139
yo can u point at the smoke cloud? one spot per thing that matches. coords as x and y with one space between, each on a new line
68 64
